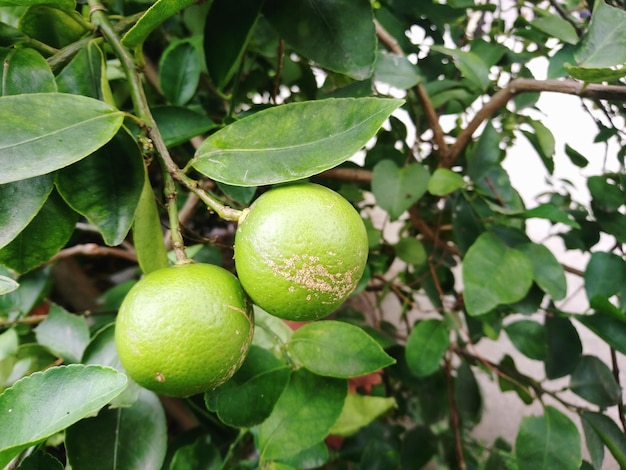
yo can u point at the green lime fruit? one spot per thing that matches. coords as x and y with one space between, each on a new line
300 251
184 330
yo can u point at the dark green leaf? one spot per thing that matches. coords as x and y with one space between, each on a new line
605 275
106 186
548 442
147 232
19 203
604 44
159 12
359 411
64 334
494 274
178 125
467 395
610 328
612 436
67 393
202 454
250 396
595 445
564 347
425 347
593 380
419 445
227 31
547 271
576 157
51 25
337 349
129 437
32 289
551 213
395 70
68 5
40 460
529 337
303 416
43 132
292 141
44 236
595 75
85 74
557 27
397 189
179 72
241 194
25 71
486 153
337 34
471 65
379 455
411 250
543 142
313 457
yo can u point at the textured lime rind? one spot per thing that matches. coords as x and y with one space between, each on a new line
184 330
300 251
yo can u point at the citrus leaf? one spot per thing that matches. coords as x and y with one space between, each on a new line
250 396
7 285
303 416
551 213
40 460
593 380
53 26
86 74
471 65
547 271
179 72
128 437
66 393
108 203
529 338
609 328
64 334
337 349
19 203
564 347
510 273
147 232
43 132
291 141
44 236
425 347
25 71
395 70
178 125
605 275
227 30
469 400
337 34
444 181
397 189
62 4
604 44
612 436
359 411
547 442
411 250
200 454
153 17
557 27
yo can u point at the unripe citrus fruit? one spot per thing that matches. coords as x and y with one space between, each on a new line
300 251
184 330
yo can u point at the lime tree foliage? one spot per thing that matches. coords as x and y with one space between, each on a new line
134 135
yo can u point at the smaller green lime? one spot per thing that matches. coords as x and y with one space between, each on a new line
184 330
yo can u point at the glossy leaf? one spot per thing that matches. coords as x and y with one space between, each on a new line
228 28
40 460
67 393
494 274
548 442
604 44
25 71
129 437
32 289
529 337
64 334
426 346
612 436
51 25
337 34
397 189
178 125
444 181
605 275
395 70
147 232
595 445
547 271
19 203
7 285
564 347
292 141
250 396
43 132
593 380
337 349
611 329
44 236
303 416
158 13
179 72
108 203
86 74
359 411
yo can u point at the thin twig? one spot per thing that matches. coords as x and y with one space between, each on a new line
620 405
454 417
93 249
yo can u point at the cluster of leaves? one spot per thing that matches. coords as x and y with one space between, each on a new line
97 158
